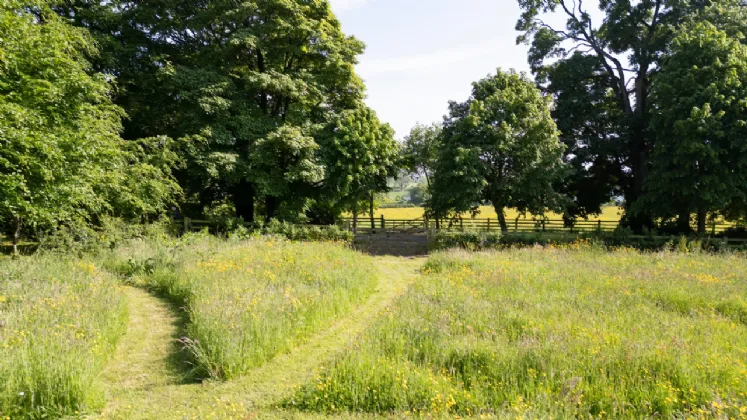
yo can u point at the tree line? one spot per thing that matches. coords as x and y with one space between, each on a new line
126 108
649 106
131 109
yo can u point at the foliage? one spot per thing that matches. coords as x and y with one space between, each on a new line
700 157
419 195
610 66
360 154
608 241
61 158
473 241
85 240
507 334
420 150
249 300
500 146
308 233
60 319
245 87
590 123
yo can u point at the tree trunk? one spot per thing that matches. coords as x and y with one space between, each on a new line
638 149
355 214
683 222
271 207
702 221
243 200
371 211
501 218
17 234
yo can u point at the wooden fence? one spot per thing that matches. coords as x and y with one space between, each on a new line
550 229
492 225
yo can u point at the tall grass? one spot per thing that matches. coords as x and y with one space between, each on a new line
554 333
247 301
59 322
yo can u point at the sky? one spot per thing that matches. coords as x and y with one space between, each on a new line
420 54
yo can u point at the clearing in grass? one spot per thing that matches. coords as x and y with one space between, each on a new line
248 301
553 333
59 322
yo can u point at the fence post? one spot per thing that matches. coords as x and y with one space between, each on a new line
516 224
383 224
599 226
543 225
187 225
488 225
461 224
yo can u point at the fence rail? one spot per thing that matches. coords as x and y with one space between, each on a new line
493 225
549 228
484 225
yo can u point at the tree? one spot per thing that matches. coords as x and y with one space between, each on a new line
235 83
419 194
360 155
700 121
420 150
640 31
62 159
502 146
591 127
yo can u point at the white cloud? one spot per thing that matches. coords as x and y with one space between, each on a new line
342 5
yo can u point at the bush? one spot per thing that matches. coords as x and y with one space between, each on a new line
83 238
59 322
477 241
739 232
473 241
308 233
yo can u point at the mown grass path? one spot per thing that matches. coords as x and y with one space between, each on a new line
144 384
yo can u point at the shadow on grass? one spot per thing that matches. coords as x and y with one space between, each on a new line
180 361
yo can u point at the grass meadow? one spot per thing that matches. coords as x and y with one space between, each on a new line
60 320
248 301
553 333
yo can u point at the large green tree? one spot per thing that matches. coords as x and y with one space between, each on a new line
591 126
618 54
420 150
501 146
61 158
360 154
237 83
700 122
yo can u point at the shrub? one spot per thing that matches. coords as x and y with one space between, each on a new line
477 241
84 238
308 233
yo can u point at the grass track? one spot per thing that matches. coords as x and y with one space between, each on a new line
142 383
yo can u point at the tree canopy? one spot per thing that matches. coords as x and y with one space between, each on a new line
245 88
61 157
700 122
501 146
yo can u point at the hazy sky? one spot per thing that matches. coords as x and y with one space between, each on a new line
422 53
